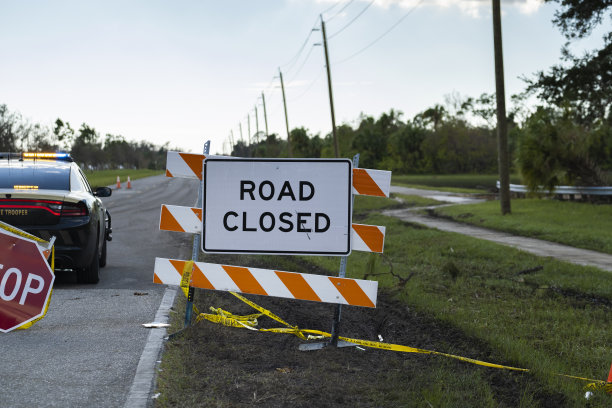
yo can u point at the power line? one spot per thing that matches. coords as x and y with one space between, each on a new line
352 21
383 34
270 84
303 63
270 89
293 60
314 81
333 6
340 11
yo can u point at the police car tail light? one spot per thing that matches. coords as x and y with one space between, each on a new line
17 206
74 209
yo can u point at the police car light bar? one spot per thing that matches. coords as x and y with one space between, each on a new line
10 155
47 156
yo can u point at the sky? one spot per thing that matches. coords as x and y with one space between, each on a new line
188 71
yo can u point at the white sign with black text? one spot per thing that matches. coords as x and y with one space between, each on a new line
277 206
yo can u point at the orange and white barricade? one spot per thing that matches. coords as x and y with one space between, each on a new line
365 181
266 282
366 238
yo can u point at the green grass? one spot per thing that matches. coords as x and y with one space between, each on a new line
512 307
581 225
365 204
457 183
552 321
99 178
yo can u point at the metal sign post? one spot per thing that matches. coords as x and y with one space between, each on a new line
196 247
335 331
341 274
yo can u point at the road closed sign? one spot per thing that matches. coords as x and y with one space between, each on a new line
277 206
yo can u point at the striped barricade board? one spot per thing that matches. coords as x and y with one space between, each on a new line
186 165
365 181
267 282
366 238
369 182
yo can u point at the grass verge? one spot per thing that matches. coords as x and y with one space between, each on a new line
437 290
577 224
98 178
551 320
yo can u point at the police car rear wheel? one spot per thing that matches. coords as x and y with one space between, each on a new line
102 261
91 274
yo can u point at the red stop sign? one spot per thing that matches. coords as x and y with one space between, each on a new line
25 281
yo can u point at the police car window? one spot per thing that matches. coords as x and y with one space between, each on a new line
40 177
84 181
76 181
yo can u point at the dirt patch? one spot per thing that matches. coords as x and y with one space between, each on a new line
229 367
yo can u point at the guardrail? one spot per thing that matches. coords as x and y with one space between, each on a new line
562 190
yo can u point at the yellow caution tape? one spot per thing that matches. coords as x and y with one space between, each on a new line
21 233
243 318
271 315
229 319
186 282
186 277
250 321
597 386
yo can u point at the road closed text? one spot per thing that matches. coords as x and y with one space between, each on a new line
277 206
316 222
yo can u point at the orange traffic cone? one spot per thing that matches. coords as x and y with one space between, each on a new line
609 385
129 183
118 182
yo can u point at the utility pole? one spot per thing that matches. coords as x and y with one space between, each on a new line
289 152
263 100
256 124
231 141
249 125
329 87
502 125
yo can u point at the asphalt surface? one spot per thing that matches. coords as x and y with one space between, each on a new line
531 245
86 351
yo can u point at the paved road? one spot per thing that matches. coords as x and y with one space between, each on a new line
85 352
534 246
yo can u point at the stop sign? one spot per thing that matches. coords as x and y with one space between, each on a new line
25 281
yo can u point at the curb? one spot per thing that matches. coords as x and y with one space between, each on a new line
139 395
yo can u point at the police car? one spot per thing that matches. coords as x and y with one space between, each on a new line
47 194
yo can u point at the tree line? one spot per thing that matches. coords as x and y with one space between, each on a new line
434 141
85 145
548 145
